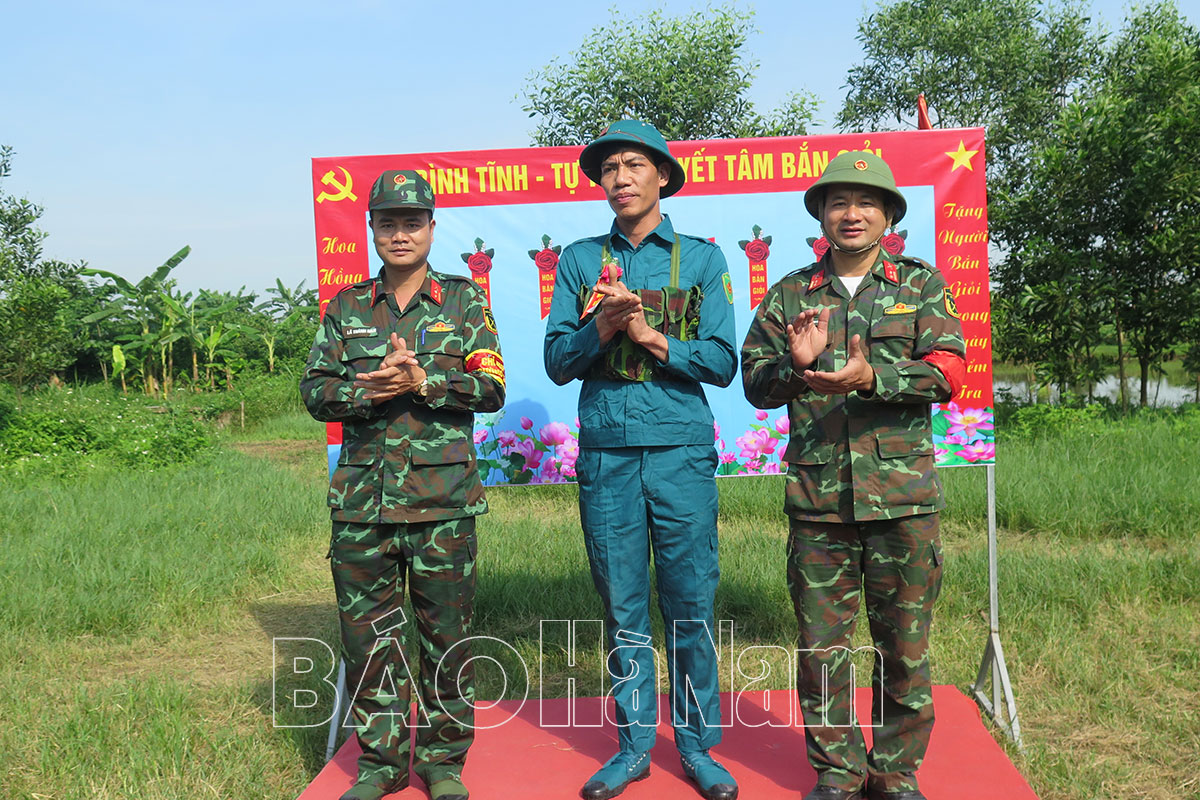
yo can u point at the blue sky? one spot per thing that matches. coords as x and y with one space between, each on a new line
145 126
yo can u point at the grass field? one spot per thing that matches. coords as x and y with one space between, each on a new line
138 608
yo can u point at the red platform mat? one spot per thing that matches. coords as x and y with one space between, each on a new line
518 758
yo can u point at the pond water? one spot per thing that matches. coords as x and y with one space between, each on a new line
1158 394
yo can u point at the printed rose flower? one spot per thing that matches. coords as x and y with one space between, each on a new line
968 422
533 456
782 426
554 433
893 243
820 247
757 250
481 436
526 423
507 440
760 415
479 263
546 260
978 451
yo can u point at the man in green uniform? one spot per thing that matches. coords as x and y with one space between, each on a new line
402 361
859 345
646 464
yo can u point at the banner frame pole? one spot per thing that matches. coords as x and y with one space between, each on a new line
1002 707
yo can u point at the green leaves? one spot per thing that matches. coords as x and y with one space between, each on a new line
687 75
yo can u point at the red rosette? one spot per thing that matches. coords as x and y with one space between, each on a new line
546 260
757 250
893 243
479 263
821 247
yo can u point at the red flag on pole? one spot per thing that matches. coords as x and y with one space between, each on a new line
923 123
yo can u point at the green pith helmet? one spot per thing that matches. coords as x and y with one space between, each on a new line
401 188
631 131
856 167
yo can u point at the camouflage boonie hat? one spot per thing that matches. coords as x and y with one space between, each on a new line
401 188
635 132
856 167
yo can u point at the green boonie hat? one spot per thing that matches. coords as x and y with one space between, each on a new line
401 188
856 167
631 131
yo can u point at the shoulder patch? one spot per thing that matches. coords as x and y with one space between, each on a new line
728 284
489 319
951 306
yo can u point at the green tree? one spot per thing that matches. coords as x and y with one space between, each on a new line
1008 65
688 76
34 335
1113 193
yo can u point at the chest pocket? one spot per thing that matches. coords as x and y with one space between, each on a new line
364 354
893 336
442 352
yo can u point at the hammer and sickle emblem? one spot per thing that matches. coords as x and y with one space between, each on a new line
343 187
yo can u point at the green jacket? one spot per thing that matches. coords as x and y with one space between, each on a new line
855 457
408 459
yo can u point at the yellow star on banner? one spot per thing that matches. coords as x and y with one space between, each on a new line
962 157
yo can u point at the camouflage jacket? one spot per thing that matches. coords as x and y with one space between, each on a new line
858 457
407 459
671 409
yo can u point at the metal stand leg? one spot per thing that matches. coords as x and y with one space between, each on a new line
1002 707
339 705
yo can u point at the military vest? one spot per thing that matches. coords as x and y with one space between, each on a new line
672 311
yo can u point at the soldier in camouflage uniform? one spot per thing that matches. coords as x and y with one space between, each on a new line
646 460
402 361
859 345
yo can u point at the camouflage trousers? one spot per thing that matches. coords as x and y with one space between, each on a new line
896 564
371 565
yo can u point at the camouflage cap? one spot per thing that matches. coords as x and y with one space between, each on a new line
401 188
859 167
631 131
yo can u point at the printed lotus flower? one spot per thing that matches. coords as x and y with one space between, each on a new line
728 458
507 440
577 423
939 453
716 431
546 259
549 472
894 242
782 426
527 423
954 439
479 262
568 453
567 470
528 448
554 433
820 246
760 415
969 421
756 443
978 451
758 248
771 468
481 436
